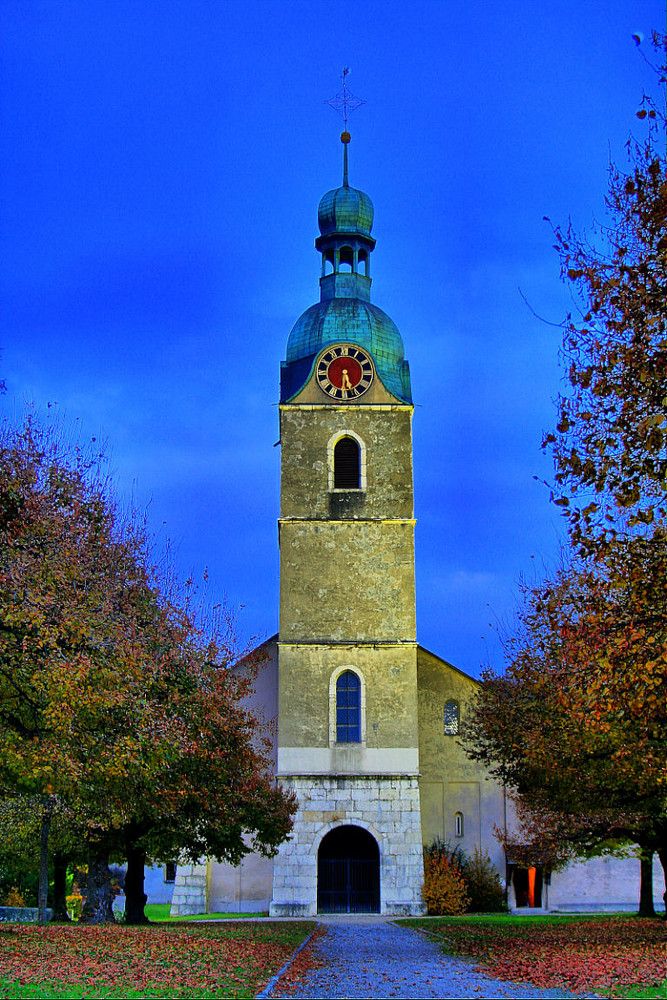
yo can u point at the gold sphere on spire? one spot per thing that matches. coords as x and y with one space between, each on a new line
345 137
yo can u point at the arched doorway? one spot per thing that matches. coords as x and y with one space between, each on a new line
348 872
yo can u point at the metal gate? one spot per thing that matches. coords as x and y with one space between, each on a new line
348 885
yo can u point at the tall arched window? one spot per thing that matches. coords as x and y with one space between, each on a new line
348 708
347 464
458 824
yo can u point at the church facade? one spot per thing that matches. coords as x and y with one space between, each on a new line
367 722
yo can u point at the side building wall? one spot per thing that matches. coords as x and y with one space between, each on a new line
602 885
448 783
460 803
214 886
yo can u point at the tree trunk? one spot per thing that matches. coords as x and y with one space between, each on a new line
43 889
646 908
662 854
135 897
98 906
60 914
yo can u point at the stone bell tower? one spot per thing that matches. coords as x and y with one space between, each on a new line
347 653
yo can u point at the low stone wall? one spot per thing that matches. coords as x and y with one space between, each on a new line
21 914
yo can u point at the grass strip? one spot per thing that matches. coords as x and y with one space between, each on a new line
161 913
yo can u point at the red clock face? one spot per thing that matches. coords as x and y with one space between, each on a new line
344 372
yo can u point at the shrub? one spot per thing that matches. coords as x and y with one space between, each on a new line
13 897
444 888
74 905
18 869
483 884
482 889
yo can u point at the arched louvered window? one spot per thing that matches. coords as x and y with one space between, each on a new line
346 464
451 718
348 708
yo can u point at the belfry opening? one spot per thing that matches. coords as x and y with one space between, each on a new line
348 872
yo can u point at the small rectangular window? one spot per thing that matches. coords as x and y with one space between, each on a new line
170 871
451 718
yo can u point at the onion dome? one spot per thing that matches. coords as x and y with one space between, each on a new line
345 210
354 321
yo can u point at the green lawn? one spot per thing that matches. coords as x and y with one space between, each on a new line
166 960
643 993
615 954
159 912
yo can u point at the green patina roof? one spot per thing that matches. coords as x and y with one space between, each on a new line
344 312
350 320
345 210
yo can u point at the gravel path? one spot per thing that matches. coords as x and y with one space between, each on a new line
376 959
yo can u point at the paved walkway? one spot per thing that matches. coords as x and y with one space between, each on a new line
371 958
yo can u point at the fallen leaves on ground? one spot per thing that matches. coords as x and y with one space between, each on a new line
304 962
577 955
172 958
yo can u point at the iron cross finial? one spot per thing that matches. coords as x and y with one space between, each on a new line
344 102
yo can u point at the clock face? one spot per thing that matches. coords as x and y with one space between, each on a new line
344 372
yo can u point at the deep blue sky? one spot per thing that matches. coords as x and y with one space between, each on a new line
161 167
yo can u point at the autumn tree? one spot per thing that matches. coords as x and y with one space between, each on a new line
610 443
216 797
578 723
564 727
111 692
51 618
538 835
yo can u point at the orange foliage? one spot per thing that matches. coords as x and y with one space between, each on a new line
444 889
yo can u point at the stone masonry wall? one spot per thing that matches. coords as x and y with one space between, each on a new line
387 807
190 890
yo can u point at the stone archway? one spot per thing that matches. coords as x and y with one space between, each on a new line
348 872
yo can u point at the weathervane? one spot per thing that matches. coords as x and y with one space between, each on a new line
344 102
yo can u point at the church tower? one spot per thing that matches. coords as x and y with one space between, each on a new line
347 650
365 723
